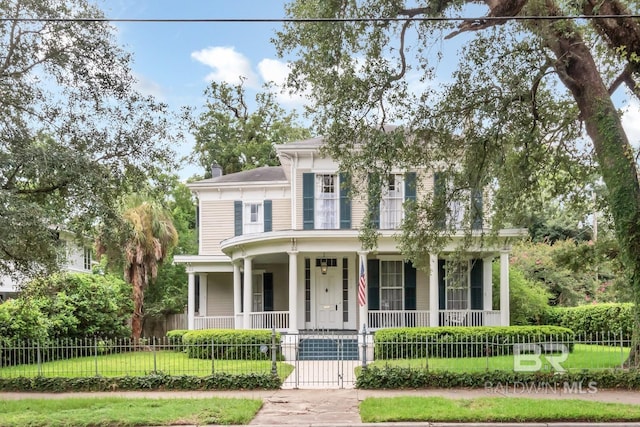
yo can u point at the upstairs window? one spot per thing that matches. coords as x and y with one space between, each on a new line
391 201
326 202
87 259
253 218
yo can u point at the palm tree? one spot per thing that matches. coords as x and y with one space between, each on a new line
147 241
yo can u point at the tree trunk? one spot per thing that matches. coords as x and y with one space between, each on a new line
137 285
578 71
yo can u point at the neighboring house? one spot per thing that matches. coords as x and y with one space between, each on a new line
279 247
75 259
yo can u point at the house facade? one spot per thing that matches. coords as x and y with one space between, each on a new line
279 248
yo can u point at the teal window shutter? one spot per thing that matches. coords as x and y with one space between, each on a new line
476 209
308 195
373 284
374 205
476 285
410 186
439 198
345 201
409 286
268 215
442 288
237 217
268 291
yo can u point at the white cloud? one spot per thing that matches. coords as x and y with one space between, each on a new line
272 70
228 65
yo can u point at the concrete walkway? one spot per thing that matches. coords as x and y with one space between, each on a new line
339 407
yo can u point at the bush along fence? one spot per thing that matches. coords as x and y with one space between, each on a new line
249 359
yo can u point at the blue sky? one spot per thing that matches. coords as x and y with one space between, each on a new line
176 61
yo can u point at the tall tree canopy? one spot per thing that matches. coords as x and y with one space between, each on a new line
74 131
233 136
529 99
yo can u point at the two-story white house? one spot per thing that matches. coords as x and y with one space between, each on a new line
279 247
75 258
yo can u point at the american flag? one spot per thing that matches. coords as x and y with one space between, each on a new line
362 286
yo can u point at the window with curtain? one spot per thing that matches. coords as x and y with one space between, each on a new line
326 202
391 297
391 202
253 218
457 285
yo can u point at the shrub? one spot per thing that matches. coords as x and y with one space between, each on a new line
403 343
175 338
394 377
528 300
229 344
592 321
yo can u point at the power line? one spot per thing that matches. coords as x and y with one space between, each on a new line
320 20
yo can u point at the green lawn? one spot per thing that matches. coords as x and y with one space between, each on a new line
116 412
493 409
139 363
583 357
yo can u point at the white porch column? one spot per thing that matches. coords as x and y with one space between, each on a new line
504 288
203 294
363 310
487 284
191 302
248 293
293 291
237 296
434 298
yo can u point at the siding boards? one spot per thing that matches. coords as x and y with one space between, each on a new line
220 292
281 209
217 223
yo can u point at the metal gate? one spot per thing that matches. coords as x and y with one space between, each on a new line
322 359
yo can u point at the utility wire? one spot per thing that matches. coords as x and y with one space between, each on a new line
317 20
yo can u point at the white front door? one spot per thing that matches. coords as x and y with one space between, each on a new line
329 299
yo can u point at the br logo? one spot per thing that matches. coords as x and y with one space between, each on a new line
529 357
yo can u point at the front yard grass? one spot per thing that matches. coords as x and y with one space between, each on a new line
584 356
140 363
115 412
493 409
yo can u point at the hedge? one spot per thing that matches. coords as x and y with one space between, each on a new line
175 338
394 377
407 343
218 381
594 321
230 344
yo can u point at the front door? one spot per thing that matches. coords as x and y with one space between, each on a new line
329 300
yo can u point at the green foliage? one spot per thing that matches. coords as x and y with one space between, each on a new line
528 300
82 305
76 134
393 377
175 338
402 343
23 319
229 135
593 321
229 344
219 381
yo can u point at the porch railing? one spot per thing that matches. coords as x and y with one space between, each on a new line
214 322
397 318
415 318
270 319
469 317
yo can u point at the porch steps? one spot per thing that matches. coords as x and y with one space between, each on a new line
334 348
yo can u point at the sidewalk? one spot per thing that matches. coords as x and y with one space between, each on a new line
339 407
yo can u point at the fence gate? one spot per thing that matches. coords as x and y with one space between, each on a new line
321 359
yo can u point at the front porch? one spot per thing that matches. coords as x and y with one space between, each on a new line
377 319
